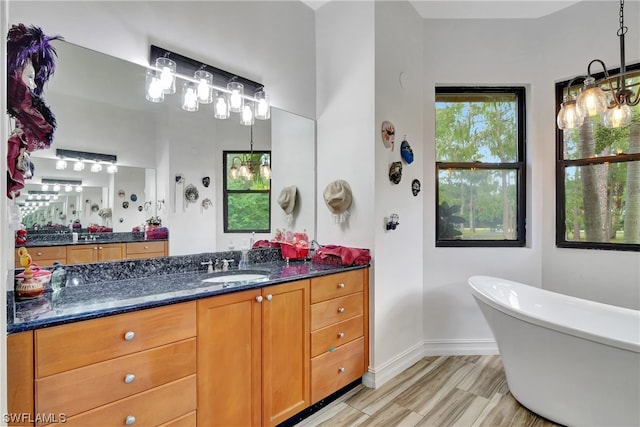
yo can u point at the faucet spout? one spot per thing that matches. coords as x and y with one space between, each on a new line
210 266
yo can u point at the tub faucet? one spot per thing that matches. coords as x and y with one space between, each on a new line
210 266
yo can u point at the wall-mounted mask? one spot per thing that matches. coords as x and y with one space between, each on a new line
415 187
206 181
395 172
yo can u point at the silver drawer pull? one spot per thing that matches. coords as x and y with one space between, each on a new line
341 310
341 285
340 370
340 334
129 335
129 378
259 298
130 420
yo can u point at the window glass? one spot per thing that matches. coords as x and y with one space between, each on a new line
480 166
598 180
247 193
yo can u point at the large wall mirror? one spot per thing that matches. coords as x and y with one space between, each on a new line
99 104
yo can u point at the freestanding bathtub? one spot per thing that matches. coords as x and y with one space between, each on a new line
573 361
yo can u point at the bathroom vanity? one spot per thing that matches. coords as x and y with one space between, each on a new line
184 352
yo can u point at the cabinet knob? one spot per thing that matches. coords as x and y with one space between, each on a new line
39 253
340 370
341 310
129 378
130 420
146 247
129 335
95 248
259 298
340 334
269 297
100 247
341 285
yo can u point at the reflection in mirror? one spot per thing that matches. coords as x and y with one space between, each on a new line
102 108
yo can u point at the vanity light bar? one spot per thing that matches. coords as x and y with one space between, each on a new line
86 156
53 181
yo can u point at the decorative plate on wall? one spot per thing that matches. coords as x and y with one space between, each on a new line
134 197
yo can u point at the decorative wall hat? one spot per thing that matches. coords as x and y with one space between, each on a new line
395 172
338 198
406 152
287 201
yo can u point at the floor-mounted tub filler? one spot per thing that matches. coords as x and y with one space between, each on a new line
573 361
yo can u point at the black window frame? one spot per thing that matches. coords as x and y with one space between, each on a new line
562 165
225 191
519 166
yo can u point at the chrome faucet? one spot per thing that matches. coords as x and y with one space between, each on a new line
210 266
225 264
218 265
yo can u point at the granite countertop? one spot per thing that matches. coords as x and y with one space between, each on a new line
85 238
103 298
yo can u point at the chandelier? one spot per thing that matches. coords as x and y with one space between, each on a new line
615 108
243 167
204 84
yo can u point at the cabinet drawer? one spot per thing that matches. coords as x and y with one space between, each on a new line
150 408
45 255
332 371
65 347
138 248
114 379
336 310
336 335
188 420
336 285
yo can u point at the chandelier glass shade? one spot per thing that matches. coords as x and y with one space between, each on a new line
610 97
204 84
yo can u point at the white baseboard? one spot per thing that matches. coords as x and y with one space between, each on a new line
381 374
460 347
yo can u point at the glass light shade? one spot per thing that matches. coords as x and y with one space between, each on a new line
570 116
248 118
68 188
112 169
61 164
96 167
236 97
205 91
45 187
233 172
78 166
190 96
78 188
153 87
56 187
263 110
265 171
167 70
617 116
592 100
221 106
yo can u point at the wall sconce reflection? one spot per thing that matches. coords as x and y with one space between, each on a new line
393 222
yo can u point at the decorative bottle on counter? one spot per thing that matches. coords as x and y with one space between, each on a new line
58 277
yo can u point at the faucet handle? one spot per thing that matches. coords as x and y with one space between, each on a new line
225 264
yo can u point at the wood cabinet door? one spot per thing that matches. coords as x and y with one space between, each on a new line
81 254
111 252
285 351
229 356
20 372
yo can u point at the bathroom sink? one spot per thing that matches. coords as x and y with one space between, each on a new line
235 278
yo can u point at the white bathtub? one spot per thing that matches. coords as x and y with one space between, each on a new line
573 361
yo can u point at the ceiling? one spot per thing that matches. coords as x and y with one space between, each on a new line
478 9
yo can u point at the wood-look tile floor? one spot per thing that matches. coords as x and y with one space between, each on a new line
436 391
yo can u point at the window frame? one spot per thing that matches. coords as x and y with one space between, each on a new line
226 192
519 166
562 165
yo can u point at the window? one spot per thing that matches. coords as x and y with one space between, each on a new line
480 166
598 180
246 193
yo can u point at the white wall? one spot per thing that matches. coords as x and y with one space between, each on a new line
535 53
398 304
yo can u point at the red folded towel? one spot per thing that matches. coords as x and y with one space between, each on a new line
341 255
